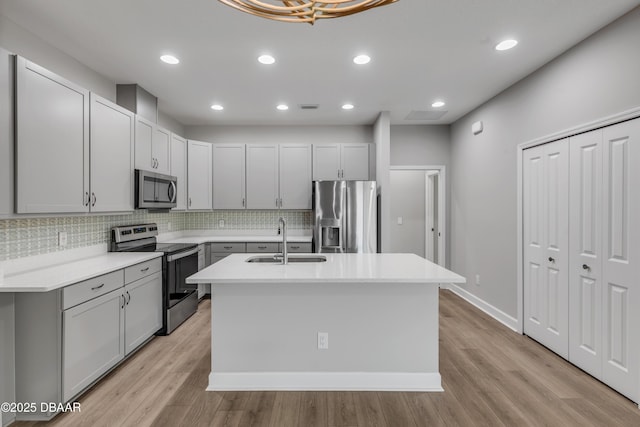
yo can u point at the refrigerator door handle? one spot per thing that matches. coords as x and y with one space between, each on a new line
345 226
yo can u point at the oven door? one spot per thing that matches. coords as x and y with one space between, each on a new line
179 267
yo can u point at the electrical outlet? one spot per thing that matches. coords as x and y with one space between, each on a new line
399 220
323 340
221 223
168 226
477 279
62 239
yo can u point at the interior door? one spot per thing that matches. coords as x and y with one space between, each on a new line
585 229
621 257
546 215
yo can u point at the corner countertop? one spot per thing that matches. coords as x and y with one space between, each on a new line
58 276
339 268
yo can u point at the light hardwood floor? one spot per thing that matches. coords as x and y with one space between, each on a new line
491 376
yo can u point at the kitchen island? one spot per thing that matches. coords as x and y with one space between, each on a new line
352 322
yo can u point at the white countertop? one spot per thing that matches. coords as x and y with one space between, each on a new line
61 275
339 268
242 238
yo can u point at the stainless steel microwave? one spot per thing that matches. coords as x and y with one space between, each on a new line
155 190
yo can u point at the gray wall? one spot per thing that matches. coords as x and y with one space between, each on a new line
277 134
7 355
419 145
596 78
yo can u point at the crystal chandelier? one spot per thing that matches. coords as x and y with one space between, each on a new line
304 10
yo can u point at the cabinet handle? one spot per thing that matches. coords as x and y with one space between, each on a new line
586 267
228 247
95 288
189 201
144 270
276 203
243 202
129 299
123 301
294 247
94 199
552 259
86 198
262 247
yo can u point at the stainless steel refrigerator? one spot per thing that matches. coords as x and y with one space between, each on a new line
345 216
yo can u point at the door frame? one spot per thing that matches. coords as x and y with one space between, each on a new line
442 204
606 121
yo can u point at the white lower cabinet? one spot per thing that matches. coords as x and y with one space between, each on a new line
69 338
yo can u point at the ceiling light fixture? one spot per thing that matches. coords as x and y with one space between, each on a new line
217 107
506 44
304 11
362 59
266 59
438 104
347 107
282 107
169 59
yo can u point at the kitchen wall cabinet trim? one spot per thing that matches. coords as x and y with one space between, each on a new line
52 142
7 123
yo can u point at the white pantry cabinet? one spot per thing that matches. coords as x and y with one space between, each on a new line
199 173
295 176
333 161
179 169
111 153
52 134
229 176
262 176
153 147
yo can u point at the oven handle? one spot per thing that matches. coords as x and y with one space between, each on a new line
171 258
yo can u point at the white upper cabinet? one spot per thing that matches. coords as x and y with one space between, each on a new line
179 169
295 176
111 171
52 147
262 176
199 173
6 132
229 176
341 161
153 146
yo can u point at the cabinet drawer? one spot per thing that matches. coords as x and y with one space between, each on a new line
228 247
138 271
92 288
271 247
304 247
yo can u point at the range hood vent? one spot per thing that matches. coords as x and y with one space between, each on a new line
137 100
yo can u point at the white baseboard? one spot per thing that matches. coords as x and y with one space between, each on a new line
7 420
324 381
502 317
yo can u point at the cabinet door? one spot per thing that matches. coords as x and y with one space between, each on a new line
143 143
585 231
546 216
161 150
111 182
92 341
326 162
228 176
295 176
621 257
262 176
52 135
143 310
199 175
179 169
6 132
355 162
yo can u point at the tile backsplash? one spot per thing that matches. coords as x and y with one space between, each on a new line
34 236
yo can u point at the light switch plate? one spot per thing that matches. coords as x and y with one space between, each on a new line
323 340
221 223
399 220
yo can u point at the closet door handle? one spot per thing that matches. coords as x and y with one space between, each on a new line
586 267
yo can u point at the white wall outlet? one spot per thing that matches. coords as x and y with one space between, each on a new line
221 223
477 279
62 239
399 220
323 340
169 226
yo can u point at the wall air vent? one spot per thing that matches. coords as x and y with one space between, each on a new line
425 115
309 106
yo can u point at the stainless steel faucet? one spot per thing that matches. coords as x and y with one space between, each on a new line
283 230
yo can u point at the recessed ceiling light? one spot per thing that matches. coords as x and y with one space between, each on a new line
266 59
347 107
438 104
282 107
361 59
170 59
506 44
217 107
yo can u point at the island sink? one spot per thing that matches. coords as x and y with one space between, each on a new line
291 258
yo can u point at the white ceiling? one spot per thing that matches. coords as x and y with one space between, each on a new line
421 50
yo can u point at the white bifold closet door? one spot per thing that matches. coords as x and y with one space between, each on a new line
546 214
605 255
